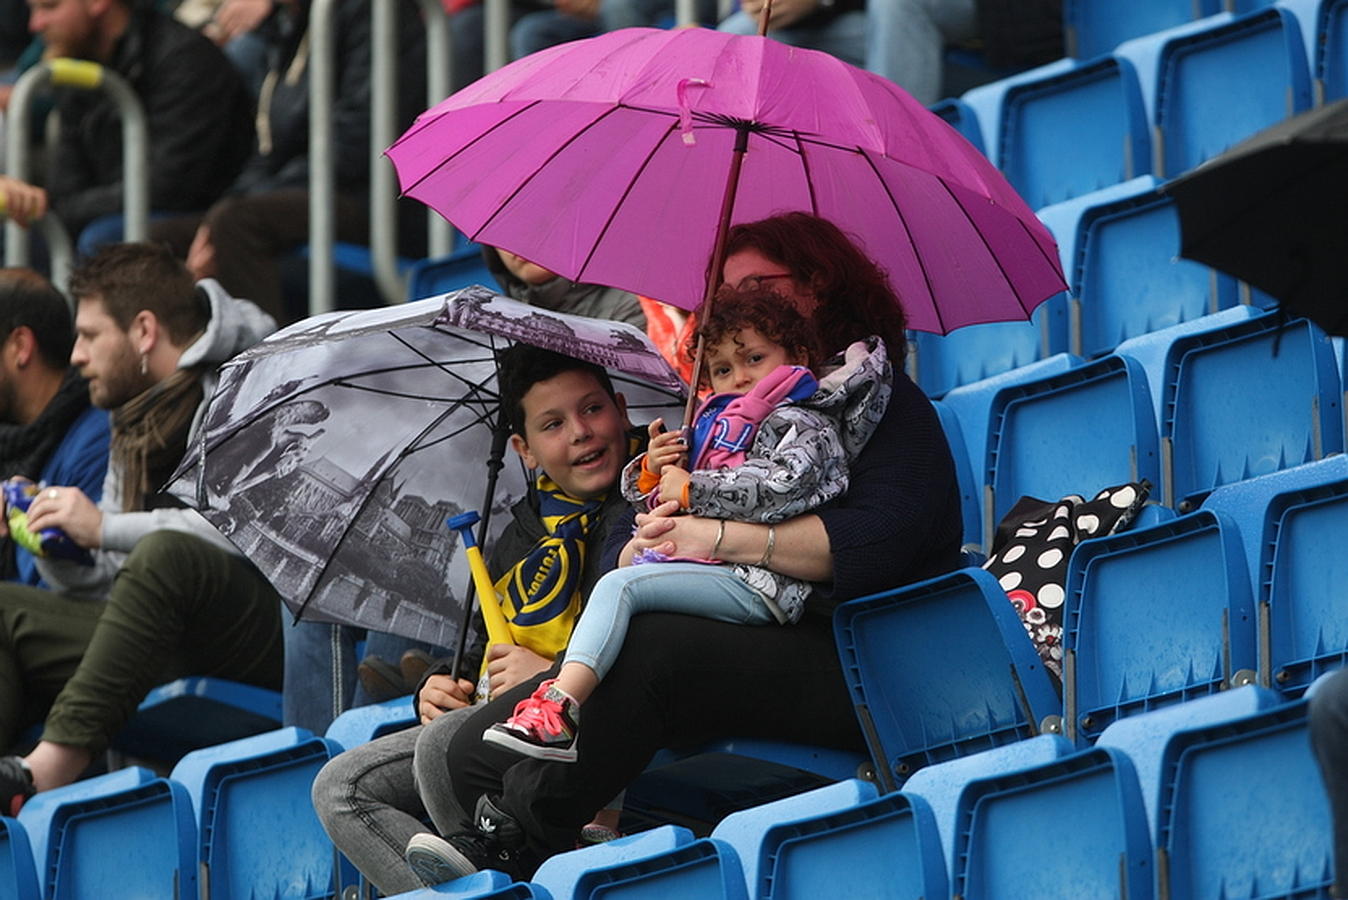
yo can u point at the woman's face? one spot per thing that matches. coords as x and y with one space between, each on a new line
748 268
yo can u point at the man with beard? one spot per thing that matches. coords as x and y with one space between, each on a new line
167 595
198 114
48 431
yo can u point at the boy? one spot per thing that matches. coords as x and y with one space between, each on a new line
570 426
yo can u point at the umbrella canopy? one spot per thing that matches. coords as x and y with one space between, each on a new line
609 160
1270 212
332 453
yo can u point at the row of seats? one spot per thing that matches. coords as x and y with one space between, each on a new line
1214 401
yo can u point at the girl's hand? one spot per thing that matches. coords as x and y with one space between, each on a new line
666 448
673 481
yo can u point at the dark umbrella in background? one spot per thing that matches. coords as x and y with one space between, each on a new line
332 453
1271 211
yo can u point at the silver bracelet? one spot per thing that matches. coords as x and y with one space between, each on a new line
720 535
766 558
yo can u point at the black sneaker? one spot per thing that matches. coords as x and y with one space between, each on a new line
495 844
16 785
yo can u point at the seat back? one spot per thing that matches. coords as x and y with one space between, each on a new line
124 834
957 114
248 792
1295 526
1154 617
1245 812
17 878
1095 846
1121 252
1246 399
914 708
1073 433
190 713
664 863
461 268
1218 81
1331 62
975 352
1046 154
365 723
971 491
1094 27
837 842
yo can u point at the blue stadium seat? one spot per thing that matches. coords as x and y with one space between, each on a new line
971 490
958 115
838 841
1213 82
665 863
1067 829
1331 61
195 712
1094 27
365 723
941 784
1295 527
897 650
18 880
975 352
971 403
1143 737
462 267
125 834
1079 432
1250 398
1154 617
1246 814
485 885
1120 250
259 835
1042 147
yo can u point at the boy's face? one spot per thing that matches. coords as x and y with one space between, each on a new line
742 358
575 432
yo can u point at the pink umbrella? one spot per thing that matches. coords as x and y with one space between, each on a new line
613 160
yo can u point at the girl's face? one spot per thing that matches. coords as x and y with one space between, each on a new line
749 268
742 358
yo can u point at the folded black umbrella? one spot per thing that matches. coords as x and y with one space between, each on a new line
1270 211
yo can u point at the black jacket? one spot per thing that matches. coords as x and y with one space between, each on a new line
198 113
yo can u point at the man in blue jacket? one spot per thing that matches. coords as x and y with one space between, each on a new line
49 432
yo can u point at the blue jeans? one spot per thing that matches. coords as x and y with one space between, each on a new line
843 36
320 669
712 592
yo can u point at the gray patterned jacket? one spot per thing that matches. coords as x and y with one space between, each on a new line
799 461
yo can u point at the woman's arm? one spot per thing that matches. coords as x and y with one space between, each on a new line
800 550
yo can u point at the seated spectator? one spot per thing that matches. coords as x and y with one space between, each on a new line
1329 737
571 20
240 239
197 110
49 432
166 595
373 798
322 676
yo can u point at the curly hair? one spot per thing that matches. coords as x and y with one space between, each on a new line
763 310
855 297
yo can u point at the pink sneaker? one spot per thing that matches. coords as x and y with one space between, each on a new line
544 726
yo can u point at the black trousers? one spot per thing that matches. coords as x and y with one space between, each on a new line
680 680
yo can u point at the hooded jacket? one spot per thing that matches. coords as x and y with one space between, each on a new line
234 326
798 461
565 296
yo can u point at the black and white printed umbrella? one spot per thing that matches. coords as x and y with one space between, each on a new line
332 453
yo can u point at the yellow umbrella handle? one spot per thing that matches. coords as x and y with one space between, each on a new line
498 631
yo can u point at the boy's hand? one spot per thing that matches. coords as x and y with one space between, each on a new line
509 665
666 448
673 481
440 694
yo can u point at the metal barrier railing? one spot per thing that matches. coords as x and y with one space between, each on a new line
76 73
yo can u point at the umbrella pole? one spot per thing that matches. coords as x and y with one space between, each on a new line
495 462
717 261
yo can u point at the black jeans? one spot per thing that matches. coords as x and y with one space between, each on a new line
680 680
